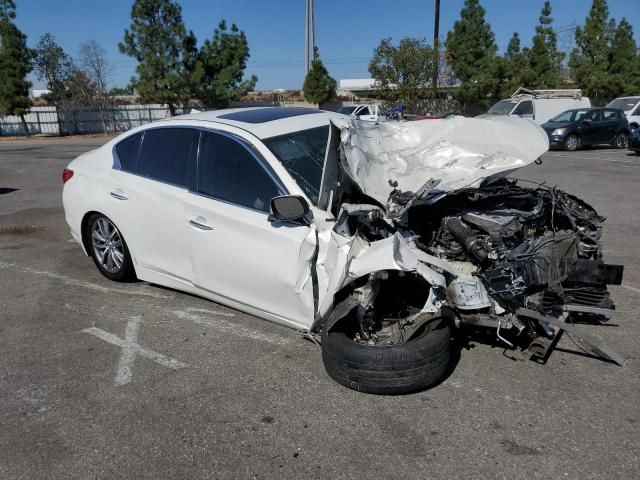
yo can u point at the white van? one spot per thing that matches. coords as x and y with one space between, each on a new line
540 105
631 108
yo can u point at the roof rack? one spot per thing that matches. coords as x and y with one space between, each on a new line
555 93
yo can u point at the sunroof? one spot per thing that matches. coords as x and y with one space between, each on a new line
268 114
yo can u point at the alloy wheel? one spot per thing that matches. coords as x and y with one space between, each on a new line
572 143
107 245
621 141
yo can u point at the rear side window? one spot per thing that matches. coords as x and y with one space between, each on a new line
168 154
229 172
593 115
612 115
127 151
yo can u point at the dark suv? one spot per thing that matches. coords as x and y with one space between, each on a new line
588 126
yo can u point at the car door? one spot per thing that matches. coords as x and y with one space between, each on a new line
237 252
524 109
590 127
366 114
148 192
610 125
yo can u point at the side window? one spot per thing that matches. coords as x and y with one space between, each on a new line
611 115
592 115
127 151
524 108
229 172
364 111
168 153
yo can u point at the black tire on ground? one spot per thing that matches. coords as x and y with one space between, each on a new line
126 272
572 143
410 367
621 140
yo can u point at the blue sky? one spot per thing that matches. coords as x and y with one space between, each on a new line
347 31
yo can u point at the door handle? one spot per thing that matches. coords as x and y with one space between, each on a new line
199 223
119 196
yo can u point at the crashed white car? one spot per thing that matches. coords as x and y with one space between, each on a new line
381 240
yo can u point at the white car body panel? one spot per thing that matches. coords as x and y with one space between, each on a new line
457 151
269 269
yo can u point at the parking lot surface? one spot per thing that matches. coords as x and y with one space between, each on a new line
107 380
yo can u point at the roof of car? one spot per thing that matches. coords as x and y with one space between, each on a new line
265 122
591 108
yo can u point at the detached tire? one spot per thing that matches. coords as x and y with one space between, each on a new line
389 369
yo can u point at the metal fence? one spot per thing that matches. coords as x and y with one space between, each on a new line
85 120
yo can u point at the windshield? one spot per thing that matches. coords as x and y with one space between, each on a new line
569 116
302 154
346 110
625 104
503 107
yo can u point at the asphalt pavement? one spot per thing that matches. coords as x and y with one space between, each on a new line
107 380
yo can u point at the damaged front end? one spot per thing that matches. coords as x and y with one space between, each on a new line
525 262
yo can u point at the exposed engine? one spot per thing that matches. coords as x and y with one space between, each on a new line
515 249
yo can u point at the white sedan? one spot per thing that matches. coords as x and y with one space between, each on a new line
384 237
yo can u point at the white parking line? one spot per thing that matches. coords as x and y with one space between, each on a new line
131 348
79 283
633 289
622 161
227 327
123 376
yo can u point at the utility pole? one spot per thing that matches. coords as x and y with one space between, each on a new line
436 48
313 32
306 37
309 35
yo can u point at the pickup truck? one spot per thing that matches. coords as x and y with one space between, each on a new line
369 112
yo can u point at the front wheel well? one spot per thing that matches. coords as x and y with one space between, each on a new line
84 231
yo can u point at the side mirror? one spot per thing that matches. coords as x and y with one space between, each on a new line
289 208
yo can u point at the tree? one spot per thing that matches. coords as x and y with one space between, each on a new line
545 61
158 40
589 61
220 66
53 65
15 65
93 62
119 91
624 62
514 71
471 49
404 72
318 86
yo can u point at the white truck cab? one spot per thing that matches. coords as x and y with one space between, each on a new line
369 112
631 108
539 105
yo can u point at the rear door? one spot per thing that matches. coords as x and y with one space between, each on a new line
237 252
610 124
148 191
590 127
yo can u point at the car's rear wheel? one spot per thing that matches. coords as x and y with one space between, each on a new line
621 140
571 143
109 250
417 364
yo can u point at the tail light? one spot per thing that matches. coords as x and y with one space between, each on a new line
66 175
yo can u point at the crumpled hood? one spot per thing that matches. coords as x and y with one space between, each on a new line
458 152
